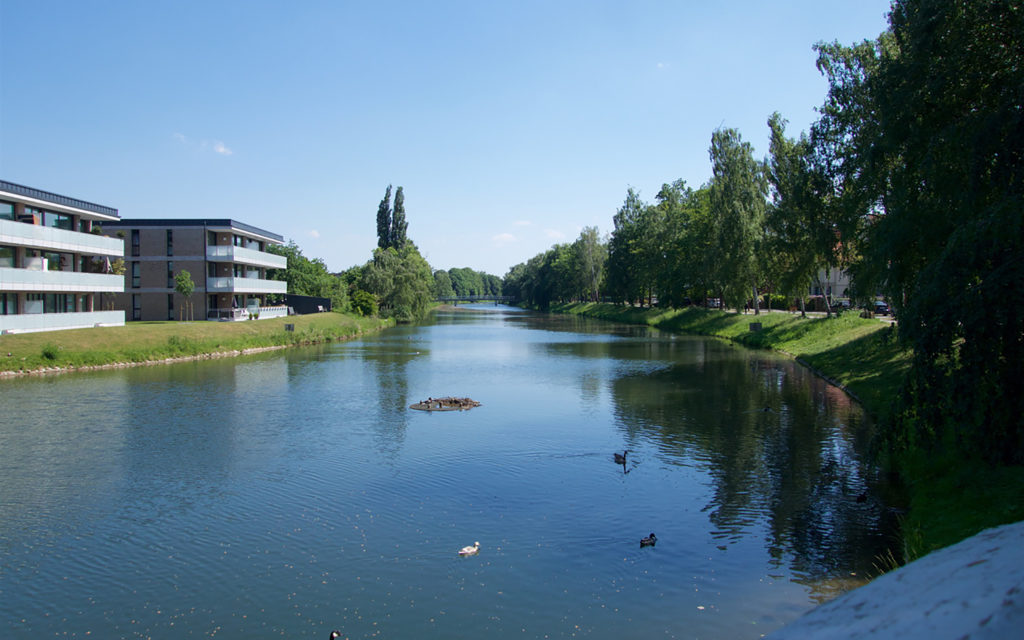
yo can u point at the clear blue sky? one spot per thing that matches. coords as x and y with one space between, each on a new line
510 125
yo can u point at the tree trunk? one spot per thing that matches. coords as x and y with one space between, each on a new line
757 305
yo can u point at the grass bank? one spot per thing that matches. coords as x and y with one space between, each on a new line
141 342
949 498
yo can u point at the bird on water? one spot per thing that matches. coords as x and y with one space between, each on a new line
620 458
649 540
470 550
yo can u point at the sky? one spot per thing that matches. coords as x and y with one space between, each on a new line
511 126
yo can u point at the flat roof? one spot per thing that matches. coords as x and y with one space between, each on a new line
210 223
55 198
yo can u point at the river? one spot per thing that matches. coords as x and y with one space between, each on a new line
291 493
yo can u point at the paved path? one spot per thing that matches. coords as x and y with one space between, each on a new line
974 589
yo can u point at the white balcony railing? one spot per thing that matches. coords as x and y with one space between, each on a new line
44 281
50 238
245 285
230 253
237 315
29 322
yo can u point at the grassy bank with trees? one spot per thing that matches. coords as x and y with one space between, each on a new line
144 342
949 498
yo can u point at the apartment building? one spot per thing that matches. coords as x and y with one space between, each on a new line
55 266
227 261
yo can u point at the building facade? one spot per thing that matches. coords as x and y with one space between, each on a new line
55 266
226 260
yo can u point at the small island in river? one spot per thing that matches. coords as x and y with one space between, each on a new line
445 404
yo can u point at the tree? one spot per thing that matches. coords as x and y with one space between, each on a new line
738 205
924 133
309 277
443 284
184 286
590 258
398 222
402 282
384 220
802 238
624 264
391 224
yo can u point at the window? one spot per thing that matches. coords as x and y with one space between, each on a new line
170 242
211 239
136 307
135 242
8 304
6 210
136 275
170 306
60 221
170 274
7 257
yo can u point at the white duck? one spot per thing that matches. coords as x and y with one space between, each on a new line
471 550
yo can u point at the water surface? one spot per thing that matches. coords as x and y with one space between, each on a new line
291 493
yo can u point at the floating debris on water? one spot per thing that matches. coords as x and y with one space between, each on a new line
445 404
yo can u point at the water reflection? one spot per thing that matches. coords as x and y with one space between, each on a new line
779 444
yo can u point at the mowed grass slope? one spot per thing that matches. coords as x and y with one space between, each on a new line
152 341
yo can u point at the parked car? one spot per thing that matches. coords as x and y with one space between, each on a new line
881 308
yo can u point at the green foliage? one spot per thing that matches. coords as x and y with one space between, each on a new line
364 303
738 191
309 277
443 284
923 132
183 283
384 220
391 224
50 351
399 225
402 282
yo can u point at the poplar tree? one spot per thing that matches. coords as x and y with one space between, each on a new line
384 220
398 222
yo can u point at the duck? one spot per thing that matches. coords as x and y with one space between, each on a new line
335 634
620 458
649 540
471 550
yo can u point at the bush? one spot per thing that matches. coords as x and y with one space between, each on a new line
50 351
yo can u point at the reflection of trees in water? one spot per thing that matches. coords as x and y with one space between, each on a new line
389 360
781 446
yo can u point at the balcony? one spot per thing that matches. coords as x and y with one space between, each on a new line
59 281
29 322
245 285
229 253
20 234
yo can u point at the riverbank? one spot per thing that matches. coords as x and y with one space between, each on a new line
948 499
141 343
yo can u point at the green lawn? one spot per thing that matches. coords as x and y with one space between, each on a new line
147 341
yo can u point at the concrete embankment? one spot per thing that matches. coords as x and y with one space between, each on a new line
973 589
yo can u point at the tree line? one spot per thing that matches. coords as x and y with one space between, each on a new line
910 180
